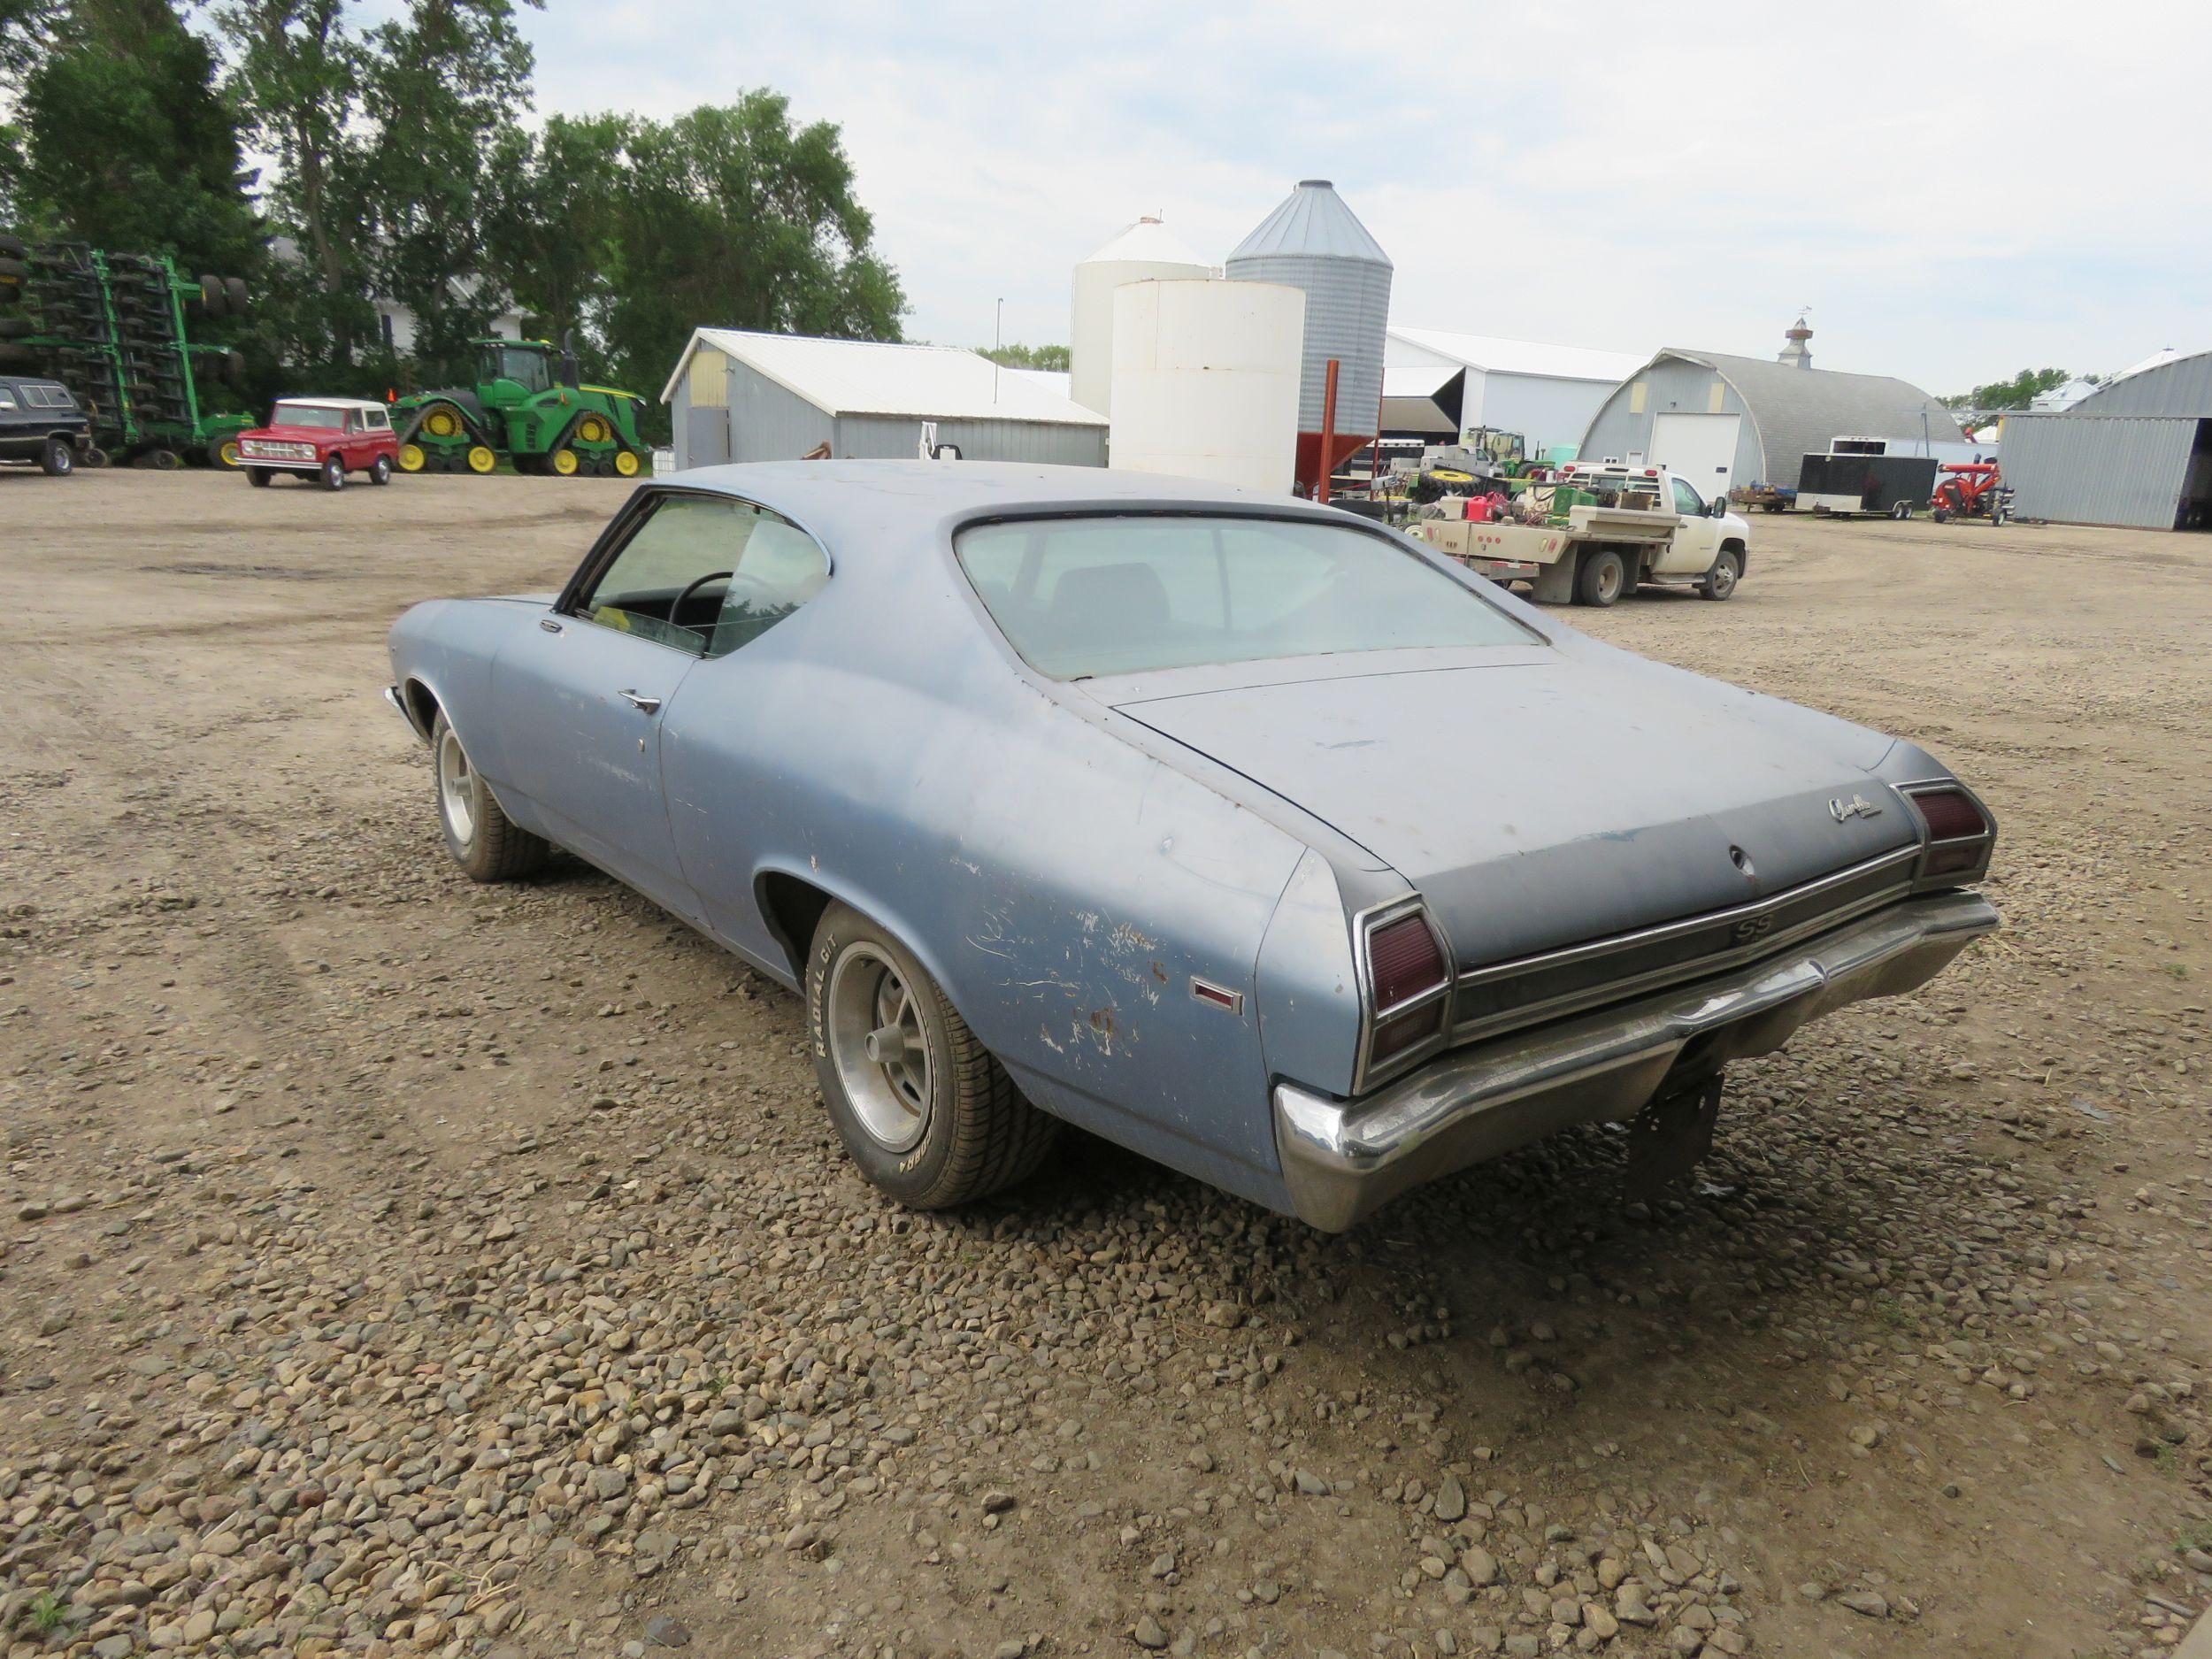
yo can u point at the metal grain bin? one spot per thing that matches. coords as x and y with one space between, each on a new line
1313 241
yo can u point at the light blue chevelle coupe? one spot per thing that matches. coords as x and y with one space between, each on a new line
1242 831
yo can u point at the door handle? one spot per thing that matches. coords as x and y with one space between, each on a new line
643 705
549 624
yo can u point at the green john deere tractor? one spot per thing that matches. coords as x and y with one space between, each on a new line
525 405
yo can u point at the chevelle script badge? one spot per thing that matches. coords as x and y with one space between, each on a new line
1858 806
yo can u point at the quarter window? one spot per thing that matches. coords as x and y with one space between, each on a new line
706 574
7 398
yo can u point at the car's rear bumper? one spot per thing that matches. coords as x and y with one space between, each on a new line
1342 1159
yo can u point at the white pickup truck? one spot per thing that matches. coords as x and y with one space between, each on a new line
1597 530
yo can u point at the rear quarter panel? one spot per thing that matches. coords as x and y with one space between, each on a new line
1061 885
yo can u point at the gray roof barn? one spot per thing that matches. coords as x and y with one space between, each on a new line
1723 420
2138 450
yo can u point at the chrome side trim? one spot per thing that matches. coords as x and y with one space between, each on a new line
1342 1159
392 696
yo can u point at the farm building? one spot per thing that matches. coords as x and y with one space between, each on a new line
742 396
2138 450
1439 384
1721 420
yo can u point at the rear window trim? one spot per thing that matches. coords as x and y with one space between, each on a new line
1405 545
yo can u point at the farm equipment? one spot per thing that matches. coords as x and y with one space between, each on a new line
527 405
116 329
1971 489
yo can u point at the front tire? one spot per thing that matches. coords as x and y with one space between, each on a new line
258 477
483 840
924 1111
335 472
1721 581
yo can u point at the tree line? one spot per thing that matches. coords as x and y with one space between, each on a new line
336 162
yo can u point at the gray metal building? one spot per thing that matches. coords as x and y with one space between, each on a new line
1721 421
2136 452
737 395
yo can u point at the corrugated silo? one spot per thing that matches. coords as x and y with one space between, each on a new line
1206 380
1146 250
1313 241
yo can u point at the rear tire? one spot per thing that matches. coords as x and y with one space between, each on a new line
56 459
482 839
926 1113
1602 578
380 470
1720 582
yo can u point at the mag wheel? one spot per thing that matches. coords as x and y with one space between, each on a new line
923 1110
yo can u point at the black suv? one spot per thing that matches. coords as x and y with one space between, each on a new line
40 421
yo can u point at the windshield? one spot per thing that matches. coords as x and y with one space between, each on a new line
309 415
520 364
1083 596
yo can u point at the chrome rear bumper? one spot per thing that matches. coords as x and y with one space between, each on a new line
1343 1159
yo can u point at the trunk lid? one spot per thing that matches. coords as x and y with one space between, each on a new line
1550 800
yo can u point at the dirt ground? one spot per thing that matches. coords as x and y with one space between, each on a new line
390 1264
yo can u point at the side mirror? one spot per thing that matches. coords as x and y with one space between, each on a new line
1719 506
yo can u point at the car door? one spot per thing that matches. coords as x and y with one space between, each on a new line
579 698
1696 536
14 424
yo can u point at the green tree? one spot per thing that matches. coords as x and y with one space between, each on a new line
1020 356
2016 393
444 86
297 70
550 229
126 142
731 215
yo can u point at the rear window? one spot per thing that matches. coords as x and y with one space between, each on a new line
1133 593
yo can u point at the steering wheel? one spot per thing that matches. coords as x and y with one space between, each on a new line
691 587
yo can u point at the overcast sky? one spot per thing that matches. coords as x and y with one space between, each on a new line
1956 191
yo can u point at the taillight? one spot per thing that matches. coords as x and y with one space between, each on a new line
1407 986
1404 961
1959 832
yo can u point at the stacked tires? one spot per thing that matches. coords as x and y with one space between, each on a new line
111 327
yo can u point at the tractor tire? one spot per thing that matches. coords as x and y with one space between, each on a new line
15 357
413 459
95 458
625 463
12 269
480 459
223 453
236 298
231 367
212 299
12 247
563 463
16 327
164 460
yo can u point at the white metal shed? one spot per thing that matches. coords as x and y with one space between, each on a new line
738 396
1444 382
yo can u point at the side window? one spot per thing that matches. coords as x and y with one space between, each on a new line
7 400
707 575
1687 500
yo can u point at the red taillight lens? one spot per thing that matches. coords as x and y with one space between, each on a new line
1958 832
1404 961
1950 814
1396 1036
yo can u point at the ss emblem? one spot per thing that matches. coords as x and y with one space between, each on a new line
1751 927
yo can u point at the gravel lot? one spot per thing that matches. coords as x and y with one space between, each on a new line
391 1265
